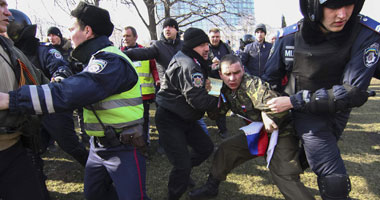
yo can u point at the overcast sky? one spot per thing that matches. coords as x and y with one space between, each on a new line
266 11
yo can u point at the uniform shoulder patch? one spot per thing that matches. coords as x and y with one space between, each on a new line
370 23
288 30
96 66
371 55
197 79
56 53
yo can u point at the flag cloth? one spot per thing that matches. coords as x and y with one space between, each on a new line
257 138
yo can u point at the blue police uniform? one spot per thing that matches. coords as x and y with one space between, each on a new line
59 126
51 60
320 125
123 164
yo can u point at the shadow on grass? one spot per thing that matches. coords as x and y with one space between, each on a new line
71 195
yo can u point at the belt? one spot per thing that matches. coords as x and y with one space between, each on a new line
105 142
8 130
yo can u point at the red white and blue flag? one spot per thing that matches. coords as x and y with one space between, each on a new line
257 138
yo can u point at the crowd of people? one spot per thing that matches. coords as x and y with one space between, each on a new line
300 89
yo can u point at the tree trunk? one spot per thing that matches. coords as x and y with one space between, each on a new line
152 20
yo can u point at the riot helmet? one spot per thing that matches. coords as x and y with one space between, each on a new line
312 9
20 26
248 38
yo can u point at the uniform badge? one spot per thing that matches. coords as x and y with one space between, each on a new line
371 55
56 53
197 79
96 66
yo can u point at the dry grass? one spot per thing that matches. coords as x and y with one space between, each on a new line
360 147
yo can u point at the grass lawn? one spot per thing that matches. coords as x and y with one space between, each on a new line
360 147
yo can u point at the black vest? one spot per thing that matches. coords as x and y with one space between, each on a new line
321 65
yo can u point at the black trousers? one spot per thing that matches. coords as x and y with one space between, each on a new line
18 177
175 137
60 127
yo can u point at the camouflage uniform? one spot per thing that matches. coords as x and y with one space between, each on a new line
249 100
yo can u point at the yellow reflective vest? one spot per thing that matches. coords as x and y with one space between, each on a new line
119 110
145 76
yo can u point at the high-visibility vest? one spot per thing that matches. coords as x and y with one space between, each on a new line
145 76
119 110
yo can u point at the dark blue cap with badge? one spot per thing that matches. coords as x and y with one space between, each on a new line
97 18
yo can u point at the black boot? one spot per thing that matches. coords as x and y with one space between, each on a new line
208 190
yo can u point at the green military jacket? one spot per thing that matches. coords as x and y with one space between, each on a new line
249 100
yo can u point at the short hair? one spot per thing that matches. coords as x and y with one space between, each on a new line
215 30
134 32
230 59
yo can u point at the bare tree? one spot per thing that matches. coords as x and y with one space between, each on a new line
187 12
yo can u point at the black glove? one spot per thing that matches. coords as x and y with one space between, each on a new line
61 74
356 96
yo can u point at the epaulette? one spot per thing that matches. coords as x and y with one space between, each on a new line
288 30
370 23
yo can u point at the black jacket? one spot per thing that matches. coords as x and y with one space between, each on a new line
214 51
162 50
183 89
255 56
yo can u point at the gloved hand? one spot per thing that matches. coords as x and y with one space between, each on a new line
61 74
339 92
299 99
133 135
357 96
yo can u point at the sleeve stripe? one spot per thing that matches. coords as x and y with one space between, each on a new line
48 99
35 99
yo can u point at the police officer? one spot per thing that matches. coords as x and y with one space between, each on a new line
244 41
255 54
18 177
109 89
58 127
59 42
148 75
330 57
182 101
246 95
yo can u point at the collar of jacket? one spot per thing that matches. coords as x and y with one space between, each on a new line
217 46
167 41
65 45
28 46
84 51
136 46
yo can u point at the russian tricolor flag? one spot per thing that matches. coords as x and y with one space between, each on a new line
257 138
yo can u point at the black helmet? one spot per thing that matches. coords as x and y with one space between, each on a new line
247 38
312 9
20 26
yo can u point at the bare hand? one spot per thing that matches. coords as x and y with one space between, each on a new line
208 85
269 124
158 83
280 104
4 101
215 61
